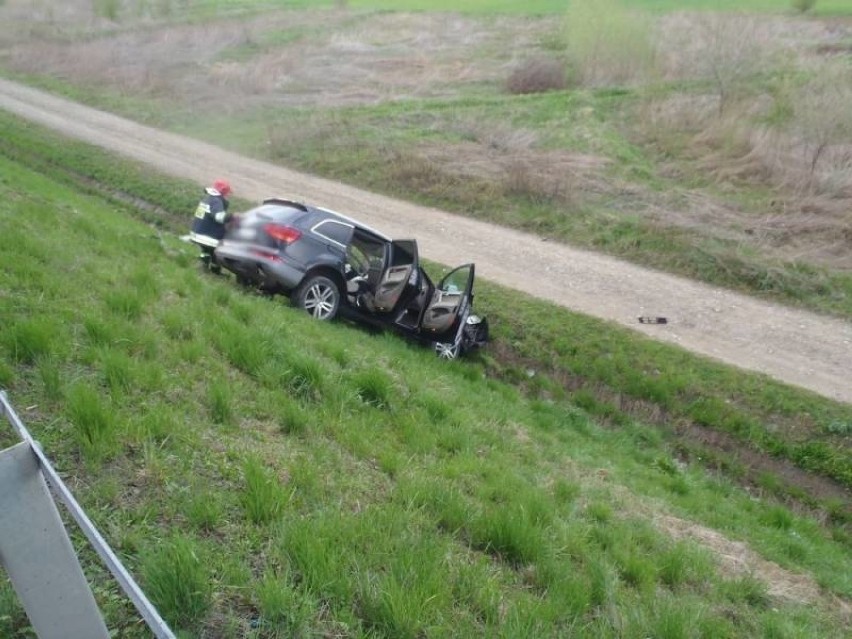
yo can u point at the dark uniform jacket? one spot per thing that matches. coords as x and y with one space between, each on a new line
208 227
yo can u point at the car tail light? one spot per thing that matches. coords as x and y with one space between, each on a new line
286 234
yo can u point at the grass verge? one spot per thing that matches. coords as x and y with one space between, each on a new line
478 510
607 370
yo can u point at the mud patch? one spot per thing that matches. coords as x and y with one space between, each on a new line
736 560
757 464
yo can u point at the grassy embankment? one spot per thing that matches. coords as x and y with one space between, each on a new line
611 371
265 475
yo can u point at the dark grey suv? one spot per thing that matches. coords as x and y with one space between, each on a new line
330 264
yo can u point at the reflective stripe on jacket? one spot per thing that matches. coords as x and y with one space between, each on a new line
210 217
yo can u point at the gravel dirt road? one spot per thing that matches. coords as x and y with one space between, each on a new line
793 346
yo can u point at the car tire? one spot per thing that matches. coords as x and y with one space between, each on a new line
319 296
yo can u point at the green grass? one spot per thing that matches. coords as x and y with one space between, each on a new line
177 581
93 421
360 486
608 366
374 388
29 340
220 402
263 498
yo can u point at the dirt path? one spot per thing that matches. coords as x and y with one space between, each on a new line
793 346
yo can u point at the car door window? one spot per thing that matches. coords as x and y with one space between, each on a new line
366 255
337 232
456 282
397 274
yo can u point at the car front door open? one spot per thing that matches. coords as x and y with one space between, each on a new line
450 299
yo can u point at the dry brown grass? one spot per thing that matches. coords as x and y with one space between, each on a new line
736 559
729 52
343 59
733 133
725 50
608 44
537 76
810 216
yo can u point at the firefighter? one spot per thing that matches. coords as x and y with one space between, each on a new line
208 226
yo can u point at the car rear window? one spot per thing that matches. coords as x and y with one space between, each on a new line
277 213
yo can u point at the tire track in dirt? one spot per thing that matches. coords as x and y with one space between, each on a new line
794 346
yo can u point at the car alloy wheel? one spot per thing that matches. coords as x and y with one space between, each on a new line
320 297
447 351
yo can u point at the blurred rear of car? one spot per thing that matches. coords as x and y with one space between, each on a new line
267 245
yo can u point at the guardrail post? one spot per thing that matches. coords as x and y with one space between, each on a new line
41 482
38 556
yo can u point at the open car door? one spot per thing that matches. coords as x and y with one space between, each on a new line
401 264
450 300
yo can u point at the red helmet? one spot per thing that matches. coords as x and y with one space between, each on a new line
222 186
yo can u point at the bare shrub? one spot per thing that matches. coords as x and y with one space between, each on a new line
537 76
809 153
783 133
822 119
107 9
727 50
607 44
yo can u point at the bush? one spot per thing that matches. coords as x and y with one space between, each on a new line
803 6
823 127
727 50
107 9
607 44
537 76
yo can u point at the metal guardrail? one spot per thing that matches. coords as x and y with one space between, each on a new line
60 490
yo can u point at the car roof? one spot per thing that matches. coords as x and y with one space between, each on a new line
339 216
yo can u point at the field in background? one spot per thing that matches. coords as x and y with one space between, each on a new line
713 145
266 475
534 491
830 7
